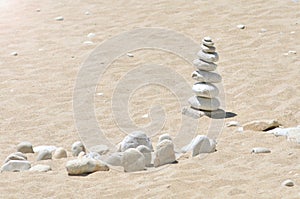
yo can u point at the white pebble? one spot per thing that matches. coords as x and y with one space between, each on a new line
14 53
60 18
241 26
260 150
91 35
40 168
292 52
293 32
99 94
87 13
145 116
232 123
130 55
88 43
288 183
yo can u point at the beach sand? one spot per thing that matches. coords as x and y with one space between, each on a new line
260 80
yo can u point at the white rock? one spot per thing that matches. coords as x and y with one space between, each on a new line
44 155
100 149
88 43
145 116
207 41
81 155
147 154
279 131
190 112
14 53
208 49
16 165
261 125
165 136
50 148
25 147
205 76
40 168
205 90
260 150
87 13
85 166
133 160
15 156
232 123
135 139
288 183
77 147
203 65
130 55
99 94
292 52
93 155
60 153
200 144
208 57
293 135
60 18
241 26
91 35
204 103
115 159
164 153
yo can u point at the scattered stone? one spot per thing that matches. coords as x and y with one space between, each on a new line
165 136
288 183
91 35
77 147
100 149
147 154
200 144
203 65
88 43
115 159
85 166
38 10
99 94
50 148
261 125
130 55
14 54
164 153
60 18
81 155
87 13
206 90
145 116
93 155
240 129
232 123
25 147
293 32
263 30
204 76
60 153
44 155
190 112
40 168
241 26
204 103
16 166
260 150
292 52
15 156
134 140
133 160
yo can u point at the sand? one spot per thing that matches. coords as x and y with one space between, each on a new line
260 80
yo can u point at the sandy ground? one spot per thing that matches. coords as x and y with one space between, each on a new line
260 81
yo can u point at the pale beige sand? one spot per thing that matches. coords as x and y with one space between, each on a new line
259 81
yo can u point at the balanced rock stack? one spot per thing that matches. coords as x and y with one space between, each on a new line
206 92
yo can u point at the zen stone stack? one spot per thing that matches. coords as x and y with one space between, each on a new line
206 92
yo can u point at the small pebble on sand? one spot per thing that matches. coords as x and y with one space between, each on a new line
241 26
60 18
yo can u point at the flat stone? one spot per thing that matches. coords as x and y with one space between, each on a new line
133 160
203 65
44 155
60 18
288 183
134 140
200 144
261 125
208 49
15 156
208 57
147 154
232 123
60 153
50 148
204 103
205 76
190 112
77 147
100 149
16 166
205 90
25 147
164 153
260 150
207 41
85 166
40 168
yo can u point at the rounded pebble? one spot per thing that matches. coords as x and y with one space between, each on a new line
164 153
133 160
77 147
60 153
60 18
241 26
288 183
25 147
40 168
44 155
260 150
205 90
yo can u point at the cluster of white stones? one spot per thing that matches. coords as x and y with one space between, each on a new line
206 92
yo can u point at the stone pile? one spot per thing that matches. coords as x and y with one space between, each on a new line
206 92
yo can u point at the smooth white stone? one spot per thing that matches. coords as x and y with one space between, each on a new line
134 140
60 153
77 147
207 38
88 43
165 136
288 183
208 57
40 168
208 49
260 150
44 155
85 166
25 147
115 159
44 147
15 156
279 131
93 155
145 116
14 53
207 41
87 13
203 65
81 155
147 154
241 26
205 76
205 90
91 35
130 55
204 103
100 149
133 160
200 144
16 165
293 135
292 52
261 125
60 18
190 112
232 123
164 153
